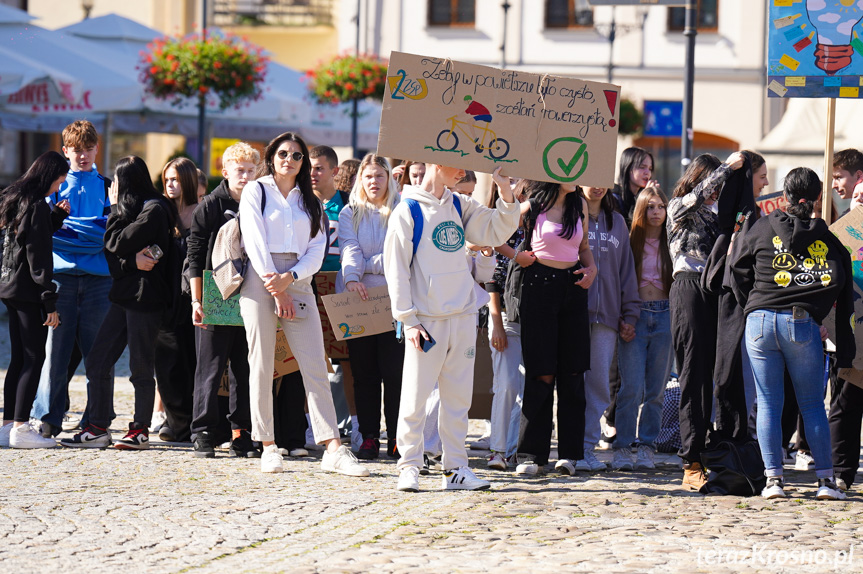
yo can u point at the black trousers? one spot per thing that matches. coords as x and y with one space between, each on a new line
289 414
216 346
27 338
693 334
175 375
732 419
555 341
120 327
376 359
846 414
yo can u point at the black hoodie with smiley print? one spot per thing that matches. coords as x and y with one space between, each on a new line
784 261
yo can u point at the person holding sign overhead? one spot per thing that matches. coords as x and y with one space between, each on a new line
432 295
285 236
375 358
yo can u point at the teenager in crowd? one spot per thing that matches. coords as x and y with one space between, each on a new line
467 184
789 270
554 323
636 169
432 295
378 358
286 240
203 182
693 226
80 271
505 341
347 176
217 344
613 310
759 172
140 226
28 291
645 360
847 172
175 346
412 173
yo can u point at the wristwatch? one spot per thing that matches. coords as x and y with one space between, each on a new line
294 275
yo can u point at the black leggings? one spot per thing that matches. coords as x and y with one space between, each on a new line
27 337
374 359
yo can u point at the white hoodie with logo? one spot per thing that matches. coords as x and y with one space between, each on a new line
438 284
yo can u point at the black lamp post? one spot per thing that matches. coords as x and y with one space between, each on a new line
354 100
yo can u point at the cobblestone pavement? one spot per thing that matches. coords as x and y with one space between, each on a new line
164 511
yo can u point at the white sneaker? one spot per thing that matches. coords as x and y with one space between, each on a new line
775 488
593 463
482 443
827 490
526 465
343 461
803 461
409 479
565 466
25 436
462 478
4 434
841 485
271 460
497 461
644 458
157 420
622 459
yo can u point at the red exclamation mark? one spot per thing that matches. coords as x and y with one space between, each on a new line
611 99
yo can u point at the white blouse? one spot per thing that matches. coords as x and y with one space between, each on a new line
284 227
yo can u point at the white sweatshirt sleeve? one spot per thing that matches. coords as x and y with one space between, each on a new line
486 226
398 253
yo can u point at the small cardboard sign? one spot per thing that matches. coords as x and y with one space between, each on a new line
771 202
285 363
354 318
849 230
537 126
325 283
218 311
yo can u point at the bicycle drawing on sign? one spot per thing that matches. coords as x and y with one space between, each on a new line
448 139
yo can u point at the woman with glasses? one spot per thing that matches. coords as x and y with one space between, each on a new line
285 236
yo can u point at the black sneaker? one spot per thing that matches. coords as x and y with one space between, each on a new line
91 437
392 449
166 434
243 447
138 438
49 430
203 447
370 449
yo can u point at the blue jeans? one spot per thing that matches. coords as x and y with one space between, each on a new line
775 339
508 389
82 302
645 365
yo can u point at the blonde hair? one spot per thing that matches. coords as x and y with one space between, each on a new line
241 151
359 200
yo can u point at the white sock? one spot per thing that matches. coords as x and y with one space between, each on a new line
271 448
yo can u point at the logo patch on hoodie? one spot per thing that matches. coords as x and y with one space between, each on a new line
448 236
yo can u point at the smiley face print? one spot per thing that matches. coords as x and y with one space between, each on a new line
783 278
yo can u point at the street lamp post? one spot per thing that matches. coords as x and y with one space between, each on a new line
690 31
354 100
202 101
506 6
610 31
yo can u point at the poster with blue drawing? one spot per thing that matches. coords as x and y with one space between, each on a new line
815 49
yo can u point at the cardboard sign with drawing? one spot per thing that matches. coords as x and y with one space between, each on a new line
537 126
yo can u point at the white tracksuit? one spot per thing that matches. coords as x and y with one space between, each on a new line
436 290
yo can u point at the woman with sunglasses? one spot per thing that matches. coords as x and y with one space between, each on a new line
285 236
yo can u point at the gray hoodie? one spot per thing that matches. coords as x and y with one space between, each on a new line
362 250
436 283
614 293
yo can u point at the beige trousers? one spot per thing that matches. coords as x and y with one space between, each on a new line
258 309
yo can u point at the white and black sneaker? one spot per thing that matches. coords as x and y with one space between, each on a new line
430 462
828 490
91 437
138 438
463 478
775 488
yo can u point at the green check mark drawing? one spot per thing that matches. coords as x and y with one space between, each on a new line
568 167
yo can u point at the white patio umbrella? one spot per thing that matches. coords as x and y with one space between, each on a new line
23 79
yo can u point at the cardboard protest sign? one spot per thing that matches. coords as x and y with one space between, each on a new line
218 311
537 126
849 230
771 202
325 283
285 363
354 318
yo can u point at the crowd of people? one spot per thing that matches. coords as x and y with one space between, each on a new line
597 294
